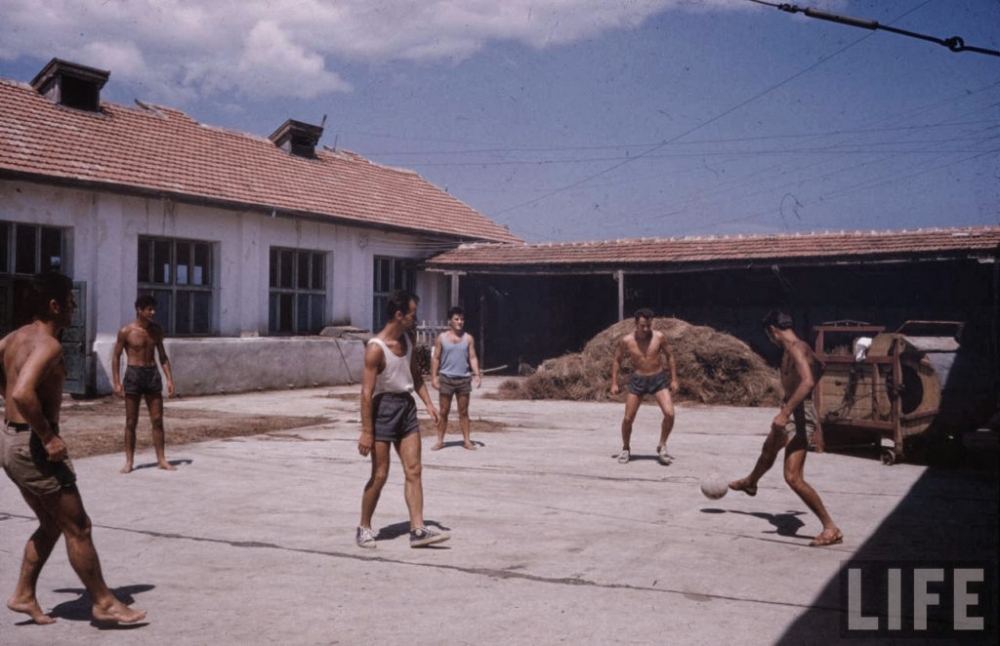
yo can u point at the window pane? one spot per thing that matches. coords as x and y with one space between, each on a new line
285 313
163 309
383 275
51 249
183 251
303 269
317 313
273 312
161 262
286 274
274 267
182 319
27 238
202 304
4 248
318 271
302 304
201 273
145 259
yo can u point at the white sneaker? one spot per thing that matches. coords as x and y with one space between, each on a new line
365 538
623 457
423 536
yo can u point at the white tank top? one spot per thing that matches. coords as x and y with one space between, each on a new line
397 377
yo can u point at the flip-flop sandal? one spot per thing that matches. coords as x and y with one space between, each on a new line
748 489
824 539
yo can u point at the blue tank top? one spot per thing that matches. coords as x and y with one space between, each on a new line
455 357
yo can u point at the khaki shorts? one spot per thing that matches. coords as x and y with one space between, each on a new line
455 385
803 420
24 459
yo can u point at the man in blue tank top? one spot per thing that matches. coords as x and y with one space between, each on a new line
389 418
453 367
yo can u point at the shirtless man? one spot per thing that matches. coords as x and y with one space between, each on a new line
794 425
455 359
142 340
389 418
36 459
648 350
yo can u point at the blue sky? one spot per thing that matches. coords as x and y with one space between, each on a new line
572 120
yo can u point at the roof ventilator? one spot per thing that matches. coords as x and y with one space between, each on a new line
71 84
297 138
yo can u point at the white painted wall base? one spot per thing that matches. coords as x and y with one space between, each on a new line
212 366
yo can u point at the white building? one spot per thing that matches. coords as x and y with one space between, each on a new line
251 245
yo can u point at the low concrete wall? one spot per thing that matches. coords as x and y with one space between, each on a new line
232 365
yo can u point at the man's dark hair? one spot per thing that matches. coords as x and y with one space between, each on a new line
778 319
644 313
144 301
456 310
47 287
399 301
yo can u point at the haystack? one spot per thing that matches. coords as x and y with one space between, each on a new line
712 368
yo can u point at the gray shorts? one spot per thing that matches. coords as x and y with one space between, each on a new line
394 416
803 420
24 459
647 384
452 385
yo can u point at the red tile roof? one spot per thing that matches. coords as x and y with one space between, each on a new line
729 251
158 150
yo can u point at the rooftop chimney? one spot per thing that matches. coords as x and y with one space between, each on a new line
297 138
72 85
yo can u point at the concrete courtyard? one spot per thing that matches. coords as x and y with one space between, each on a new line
251 540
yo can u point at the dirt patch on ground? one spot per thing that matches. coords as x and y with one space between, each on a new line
427 426
712 368
97 426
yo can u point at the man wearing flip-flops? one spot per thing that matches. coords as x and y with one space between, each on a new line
794 425
650 354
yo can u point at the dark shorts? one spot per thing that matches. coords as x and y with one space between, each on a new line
451 385
394 416
647 384
142 380
24 459
803 420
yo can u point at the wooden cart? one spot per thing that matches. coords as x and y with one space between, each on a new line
890 392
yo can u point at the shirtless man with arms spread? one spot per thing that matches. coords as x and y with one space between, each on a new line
794 425
650 353
36 460
142 341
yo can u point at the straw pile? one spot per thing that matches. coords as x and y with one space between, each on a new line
712 368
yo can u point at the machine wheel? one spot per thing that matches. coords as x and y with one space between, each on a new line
889 457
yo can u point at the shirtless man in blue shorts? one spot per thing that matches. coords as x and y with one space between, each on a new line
389 418
36 459
794 425
650 354
142 342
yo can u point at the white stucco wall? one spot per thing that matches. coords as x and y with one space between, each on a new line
102 239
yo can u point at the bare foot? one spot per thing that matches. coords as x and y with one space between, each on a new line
166 466
32 609
117 613
745 486
438 446
470 446
127 468
829 536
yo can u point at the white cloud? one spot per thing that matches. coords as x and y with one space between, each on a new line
292 47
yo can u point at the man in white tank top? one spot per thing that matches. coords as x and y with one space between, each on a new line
389 418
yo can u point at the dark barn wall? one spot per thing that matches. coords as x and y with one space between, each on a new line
532 318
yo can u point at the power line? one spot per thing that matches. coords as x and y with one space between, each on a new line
955 43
